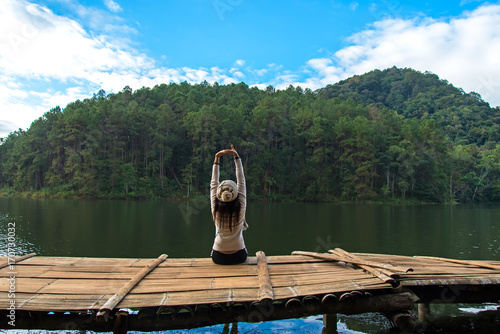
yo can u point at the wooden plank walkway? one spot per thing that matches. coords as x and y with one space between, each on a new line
60 284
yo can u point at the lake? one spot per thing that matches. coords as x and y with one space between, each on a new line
146 229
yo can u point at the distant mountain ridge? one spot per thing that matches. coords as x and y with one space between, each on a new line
414 94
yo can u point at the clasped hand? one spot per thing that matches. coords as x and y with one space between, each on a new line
227 151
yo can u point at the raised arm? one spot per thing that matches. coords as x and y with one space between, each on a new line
240 175
214 182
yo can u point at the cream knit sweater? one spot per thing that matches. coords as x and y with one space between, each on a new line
225 240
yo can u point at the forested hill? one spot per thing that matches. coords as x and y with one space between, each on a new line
392 134
466 118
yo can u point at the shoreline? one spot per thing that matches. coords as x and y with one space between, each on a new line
198 196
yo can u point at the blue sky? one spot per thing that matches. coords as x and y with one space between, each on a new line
53 52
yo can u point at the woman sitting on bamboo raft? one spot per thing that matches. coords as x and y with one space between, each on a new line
228 204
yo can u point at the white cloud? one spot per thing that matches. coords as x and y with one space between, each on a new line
40 44
40 48
7 126
239 62
261 72
112 6
260 86
238 74
465 2
462 50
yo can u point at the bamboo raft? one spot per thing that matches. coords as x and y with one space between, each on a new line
164 293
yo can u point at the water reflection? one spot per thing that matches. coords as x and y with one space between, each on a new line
184 229
146 229
12 232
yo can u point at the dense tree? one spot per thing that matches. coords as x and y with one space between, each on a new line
396 133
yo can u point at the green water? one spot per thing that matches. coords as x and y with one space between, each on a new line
146 229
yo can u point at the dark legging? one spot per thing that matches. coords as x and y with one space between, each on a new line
232 258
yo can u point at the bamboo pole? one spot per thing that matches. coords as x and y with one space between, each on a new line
377 273
14 260
136 322
331 257
403 320
265 285
424 312
472 263
384 271
104 311
330 323
121 323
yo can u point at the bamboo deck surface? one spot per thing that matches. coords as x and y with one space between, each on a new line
75 283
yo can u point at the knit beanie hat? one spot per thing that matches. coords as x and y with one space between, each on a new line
227 191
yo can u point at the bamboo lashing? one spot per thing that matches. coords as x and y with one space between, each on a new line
120 294
472 263
16 260
336 258
377 273
265 285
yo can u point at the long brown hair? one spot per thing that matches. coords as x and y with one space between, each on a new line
229 213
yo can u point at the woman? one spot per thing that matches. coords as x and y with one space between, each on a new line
228 203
